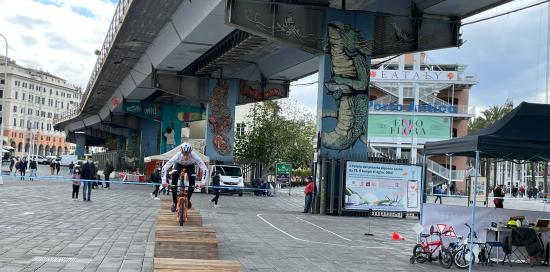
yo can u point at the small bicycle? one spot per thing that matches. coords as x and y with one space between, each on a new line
425 250
462 253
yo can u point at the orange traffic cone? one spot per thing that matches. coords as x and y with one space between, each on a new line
397 236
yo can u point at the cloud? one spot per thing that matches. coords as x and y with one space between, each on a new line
58 36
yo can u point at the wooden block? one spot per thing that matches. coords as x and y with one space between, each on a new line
190 249
194 265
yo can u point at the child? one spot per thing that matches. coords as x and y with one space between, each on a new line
76 182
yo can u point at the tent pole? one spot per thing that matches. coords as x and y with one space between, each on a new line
423 187
474 211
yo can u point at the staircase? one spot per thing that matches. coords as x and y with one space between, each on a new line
444 173
425 95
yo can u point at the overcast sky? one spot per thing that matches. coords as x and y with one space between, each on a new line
507 55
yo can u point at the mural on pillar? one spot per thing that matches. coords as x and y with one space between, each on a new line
344 122
221 115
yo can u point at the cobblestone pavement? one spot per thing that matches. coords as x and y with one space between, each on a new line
42 229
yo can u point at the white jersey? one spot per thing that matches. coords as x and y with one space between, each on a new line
180 159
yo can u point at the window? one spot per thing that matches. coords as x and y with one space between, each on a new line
51 91
24 84
16 94
28 124
55 116
17 83
21 123
29 112
22 110
56 92
68 95
15 109
31 86
14 122
43 114
62 105
42 125
49 115
240 129
23 97
1 81
1 93
455 132
43 101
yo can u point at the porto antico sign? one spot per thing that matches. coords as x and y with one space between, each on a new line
412 107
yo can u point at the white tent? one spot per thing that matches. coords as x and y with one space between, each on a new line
168 155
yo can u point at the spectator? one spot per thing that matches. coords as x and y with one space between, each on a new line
76 183
57 167
308 191
156 178
12 163
87 174
52 167
216 184
33 168
107 173
97 177
515 190
438 192
71 167
522 191
498 200
22 168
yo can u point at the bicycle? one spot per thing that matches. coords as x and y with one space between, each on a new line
462 254
181 206
425 250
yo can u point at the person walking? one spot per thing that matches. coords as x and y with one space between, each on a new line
33 168
97 177
107 173
156 179
57 167
12 163
22 168
87 174
76 182
216 184
308 191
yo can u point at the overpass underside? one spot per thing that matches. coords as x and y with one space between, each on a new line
164 62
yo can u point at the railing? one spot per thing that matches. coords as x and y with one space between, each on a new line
114 27
386 99
443 172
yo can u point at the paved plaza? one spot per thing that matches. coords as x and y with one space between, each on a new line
42 229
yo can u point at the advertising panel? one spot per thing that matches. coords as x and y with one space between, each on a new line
404 128
387 187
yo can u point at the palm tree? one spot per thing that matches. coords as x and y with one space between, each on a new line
487 118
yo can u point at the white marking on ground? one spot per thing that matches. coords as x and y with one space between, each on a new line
28 213
335 234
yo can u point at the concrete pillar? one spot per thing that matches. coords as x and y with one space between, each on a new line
149 138
80 144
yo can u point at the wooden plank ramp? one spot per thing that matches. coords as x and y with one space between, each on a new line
191 265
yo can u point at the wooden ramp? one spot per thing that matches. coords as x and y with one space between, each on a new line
191 247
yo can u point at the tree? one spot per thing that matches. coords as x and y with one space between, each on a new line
278 132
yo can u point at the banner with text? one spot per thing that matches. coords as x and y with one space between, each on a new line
377 186
404 128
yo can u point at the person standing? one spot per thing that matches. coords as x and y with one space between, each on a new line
33 168
498 200
12 163
216 184
52 167
107 173
438 193
71 167
308 191
57 167
87 174
22 168
156 179
76 182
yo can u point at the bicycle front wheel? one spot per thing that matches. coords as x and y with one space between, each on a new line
462 258
446 258
181 215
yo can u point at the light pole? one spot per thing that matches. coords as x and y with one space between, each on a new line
2 105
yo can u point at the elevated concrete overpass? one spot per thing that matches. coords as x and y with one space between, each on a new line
165 52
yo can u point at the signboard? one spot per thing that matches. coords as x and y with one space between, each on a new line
481 190
283 172
394 107
406 127
387 187
412 75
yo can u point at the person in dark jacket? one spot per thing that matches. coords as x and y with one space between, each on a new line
22 168
87 173
156 178
33 168
216 184
57 167
12 163
107 173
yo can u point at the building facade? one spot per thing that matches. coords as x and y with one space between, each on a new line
413 102
31 99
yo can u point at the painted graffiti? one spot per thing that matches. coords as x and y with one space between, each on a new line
348 86
219 118
259 95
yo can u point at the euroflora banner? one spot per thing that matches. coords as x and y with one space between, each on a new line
386 187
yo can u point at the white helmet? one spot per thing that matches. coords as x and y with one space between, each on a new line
186 148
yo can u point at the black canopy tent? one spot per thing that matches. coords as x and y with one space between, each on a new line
523 134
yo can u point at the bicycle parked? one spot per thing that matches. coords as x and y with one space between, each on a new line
462 254
426 249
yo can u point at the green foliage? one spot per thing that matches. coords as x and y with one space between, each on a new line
277 132
490 116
